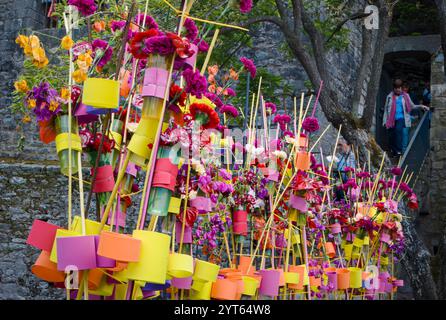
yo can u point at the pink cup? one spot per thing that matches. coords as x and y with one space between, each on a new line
187 237
83 117
333 279
269 286
42 235
335 228
240 228
202 204
79 251
240 216
182 283
298 203
103 262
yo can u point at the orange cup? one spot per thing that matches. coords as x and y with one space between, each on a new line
330 249
315 282
120 265
46 270
300 270
119 246
244 264
224 289
303 161
343 279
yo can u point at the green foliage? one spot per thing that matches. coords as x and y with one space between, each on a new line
414 17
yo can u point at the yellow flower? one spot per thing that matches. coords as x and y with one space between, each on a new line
22 41
31 103
39 57
67 43
84 61
26 119
65 94
21 86
32 45
53 105
79 76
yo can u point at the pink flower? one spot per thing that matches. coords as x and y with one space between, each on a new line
396 171
146 21
245 6
230 92
270 108
191 29
249 66
229 109
203 46
108 51
282 120
310 124
85 7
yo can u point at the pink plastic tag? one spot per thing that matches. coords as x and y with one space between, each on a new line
155 83
165 175
298 203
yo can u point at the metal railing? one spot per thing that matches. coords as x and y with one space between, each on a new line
418 147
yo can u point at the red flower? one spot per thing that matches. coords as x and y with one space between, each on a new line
177 94
212 116
413 202
191 216
137 43
182 45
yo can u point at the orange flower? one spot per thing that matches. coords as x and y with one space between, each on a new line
65 94
21 86
211 78
213 70
99 26
211 88
79 76
67 43
233 74
39 57
31 103
84 61
26 119
22 41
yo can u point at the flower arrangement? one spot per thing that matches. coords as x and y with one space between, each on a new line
278 211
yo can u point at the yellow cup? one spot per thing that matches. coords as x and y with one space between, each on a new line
291 277
205 271
105 289
174 205
292 215
355 277
92 228
154 257
101 93
203 294
250 286
180 265
61 233
348 251
384 260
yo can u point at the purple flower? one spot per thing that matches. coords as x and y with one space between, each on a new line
229 109
225 174
146 21
161 45
270 108
214 99
203 46
310 124
245 6
230 92
85 7
249 66
46 99
117 25
396 171
191 29
196 84
104 47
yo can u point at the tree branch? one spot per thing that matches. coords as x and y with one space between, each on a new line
356 16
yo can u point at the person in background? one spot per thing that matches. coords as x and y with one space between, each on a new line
397 119
345 159
427 95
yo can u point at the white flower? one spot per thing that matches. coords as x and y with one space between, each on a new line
280 154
